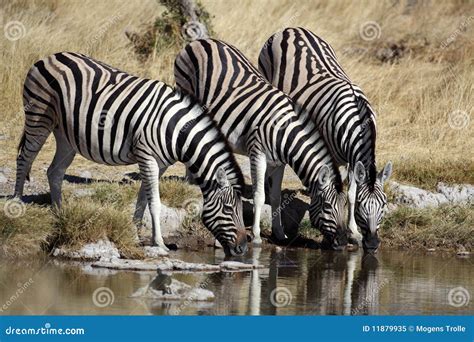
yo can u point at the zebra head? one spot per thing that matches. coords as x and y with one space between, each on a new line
222 215
327 209
371 203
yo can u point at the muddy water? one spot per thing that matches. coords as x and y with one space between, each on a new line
296 282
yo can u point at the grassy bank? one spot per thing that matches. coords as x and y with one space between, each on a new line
447 228
106 213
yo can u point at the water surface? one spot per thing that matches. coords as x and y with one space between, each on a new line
295 282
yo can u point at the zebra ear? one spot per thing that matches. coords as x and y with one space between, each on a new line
359 173
324 176
221 177
385 173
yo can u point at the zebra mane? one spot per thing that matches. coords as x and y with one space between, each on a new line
238 181
369 129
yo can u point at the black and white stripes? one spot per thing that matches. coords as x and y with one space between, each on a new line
258 120
305 67
114 118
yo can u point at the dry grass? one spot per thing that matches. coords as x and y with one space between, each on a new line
447 227
414 96
26 235
84 221
175 193
104 214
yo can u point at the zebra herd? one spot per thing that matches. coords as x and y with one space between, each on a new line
300 110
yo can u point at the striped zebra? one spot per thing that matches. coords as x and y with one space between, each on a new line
305 67
258 120
113 118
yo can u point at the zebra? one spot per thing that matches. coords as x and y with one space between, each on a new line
305 67
258 120
114 118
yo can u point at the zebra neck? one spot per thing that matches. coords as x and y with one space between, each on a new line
203 149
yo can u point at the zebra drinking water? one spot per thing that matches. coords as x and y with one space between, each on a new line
305 67
258 120
113 118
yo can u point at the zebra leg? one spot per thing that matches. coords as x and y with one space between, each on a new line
29 148
62 159
351 194
150 174
141 204
258 167
275 177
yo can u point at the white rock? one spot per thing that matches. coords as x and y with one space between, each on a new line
154 252
171 219
173 265
457 193
85 174
83 192
102 249
175 290
3 178
418 198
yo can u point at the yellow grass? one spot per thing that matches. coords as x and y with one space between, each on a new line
414 98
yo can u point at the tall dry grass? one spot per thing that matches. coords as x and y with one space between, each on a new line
419 97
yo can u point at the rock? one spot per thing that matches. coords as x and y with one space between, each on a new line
238 266
418 198
415 197
173 265
154 252
247 205
461 194
5 170
3 178
126 264
462 251
179 265
86 175
83 192
100 250
171 219
174 290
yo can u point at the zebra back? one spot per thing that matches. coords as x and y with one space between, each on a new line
305 67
